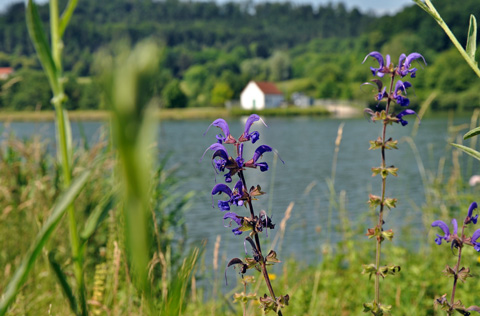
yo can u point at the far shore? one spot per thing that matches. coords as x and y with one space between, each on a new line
163 114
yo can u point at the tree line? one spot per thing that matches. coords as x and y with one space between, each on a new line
210 51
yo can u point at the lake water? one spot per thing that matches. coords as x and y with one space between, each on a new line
306 144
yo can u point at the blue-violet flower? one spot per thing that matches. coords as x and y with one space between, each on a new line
447 236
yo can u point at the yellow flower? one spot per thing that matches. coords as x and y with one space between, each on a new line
273 276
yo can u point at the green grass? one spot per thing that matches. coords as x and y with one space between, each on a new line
164 114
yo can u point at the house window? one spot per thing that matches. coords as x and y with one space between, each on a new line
253 107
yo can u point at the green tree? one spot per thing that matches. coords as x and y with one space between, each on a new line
221 93
173 96
29 92
280 66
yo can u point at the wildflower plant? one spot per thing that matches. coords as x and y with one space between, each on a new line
240 195
394 92
457 242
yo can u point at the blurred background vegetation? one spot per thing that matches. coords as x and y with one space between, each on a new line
210 51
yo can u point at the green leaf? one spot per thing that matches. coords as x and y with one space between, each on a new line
388 234
386 308
473 132
62 279
66 16
43 236
369 269
376 171
35 29
374 201
392 170
376 144
391 144
97 216
472 38
468 150
390 203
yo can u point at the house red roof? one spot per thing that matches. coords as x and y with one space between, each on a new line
268 87
5 71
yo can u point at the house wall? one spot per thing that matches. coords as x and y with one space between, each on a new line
273 100
252 98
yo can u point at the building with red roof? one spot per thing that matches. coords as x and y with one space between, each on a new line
258 95
5 72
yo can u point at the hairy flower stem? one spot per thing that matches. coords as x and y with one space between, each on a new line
259 249
384 183
455 276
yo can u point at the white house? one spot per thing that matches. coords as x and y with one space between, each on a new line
258 95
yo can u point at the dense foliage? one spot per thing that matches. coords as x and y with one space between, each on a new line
212 50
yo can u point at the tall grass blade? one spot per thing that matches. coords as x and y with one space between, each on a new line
97 216
62 280
35 29
473 132
472 38
179 285
66 16
128 80
43 236
468 150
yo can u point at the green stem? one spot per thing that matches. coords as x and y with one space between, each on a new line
63 142
67 179
55 34
452 37
384 184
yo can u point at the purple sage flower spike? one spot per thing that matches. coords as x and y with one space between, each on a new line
401 59
455 226
239 159
253 136
223 205
404 67
376 71
237 219
381 94
222 124
400 87
469 218
443 226
238 193
475 236
219 149
252 163
402 114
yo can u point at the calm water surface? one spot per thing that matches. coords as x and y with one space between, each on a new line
307 147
